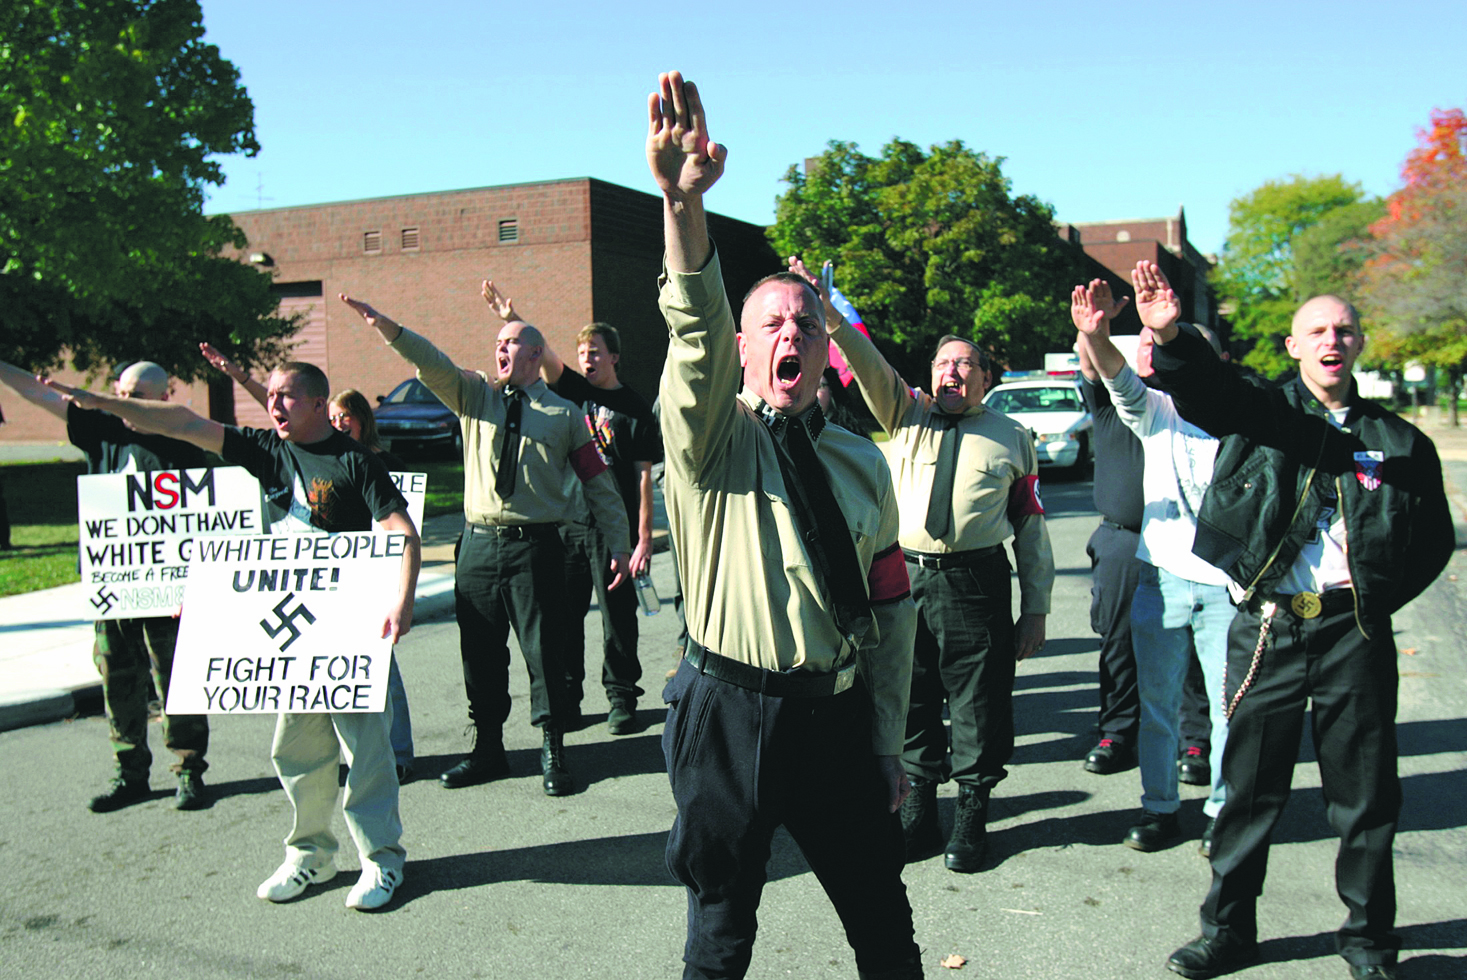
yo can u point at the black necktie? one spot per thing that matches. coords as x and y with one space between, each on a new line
826 535
509 447
940 506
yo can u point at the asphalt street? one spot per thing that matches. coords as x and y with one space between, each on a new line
503 881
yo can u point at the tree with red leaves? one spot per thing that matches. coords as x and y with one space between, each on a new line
1415 283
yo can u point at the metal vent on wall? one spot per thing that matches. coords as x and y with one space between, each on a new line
372 241
409 239
509 230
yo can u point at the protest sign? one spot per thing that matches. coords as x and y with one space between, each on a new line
137 532
288 622
414 487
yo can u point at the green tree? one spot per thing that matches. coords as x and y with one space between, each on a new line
111 112
1255 275
931 243
1414 285
1329 254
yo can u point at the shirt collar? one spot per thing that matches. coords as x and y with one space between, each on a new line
813 419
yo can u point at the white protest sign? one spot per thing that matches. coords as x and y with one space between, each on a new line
414 487
288 622
137 532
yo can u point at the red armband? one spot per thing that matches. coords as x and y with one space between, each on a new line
587 462
1024 500
887 579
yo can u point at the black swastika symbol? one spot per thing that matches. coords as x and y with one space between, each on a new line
105 600
287 621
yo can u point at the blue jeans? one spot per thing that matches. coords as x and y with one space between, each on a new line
1169 616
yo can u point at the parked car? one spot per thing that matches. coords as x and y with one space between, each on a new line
1052 409
413 417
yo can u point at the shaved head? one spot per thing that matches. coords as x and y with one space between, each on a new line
1326 302
143 380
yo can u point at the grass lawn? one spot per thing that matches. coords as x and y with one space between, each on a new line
42 504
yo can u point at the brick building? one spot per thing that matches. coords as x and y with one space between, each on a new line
1114 247
567 251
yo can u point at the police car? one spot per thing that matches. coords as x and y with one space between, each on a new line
1051 408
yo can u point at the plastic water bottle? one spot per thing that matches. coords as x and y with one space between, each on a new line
647 595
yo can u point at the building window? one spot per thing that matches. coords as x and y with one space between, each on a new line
372 242
410 239
509 230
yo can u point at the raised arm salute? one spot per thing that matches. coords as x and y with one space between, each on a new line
523 445
789 704
1329 514
966 480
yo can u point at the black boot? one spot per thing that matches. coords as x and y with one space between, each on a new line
908 969
558 780
969 842
920 830
484 763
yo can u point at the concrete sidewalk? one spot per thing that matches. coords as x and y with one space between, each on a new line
46 645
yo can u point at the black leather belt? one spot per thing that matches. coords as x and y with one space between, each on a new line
776 684
1309 605
515 532
951 559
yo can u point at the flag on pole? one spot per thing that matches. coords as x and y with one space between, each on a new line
854 319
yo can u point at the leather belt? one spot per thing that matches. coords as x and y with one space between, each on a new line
515 532
776 684
1309 605
951 559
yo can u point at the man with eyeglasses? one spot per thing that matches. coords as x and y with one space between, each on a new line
967 480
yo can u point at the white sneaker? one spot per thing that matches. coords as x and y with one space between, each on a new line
374 888
290 880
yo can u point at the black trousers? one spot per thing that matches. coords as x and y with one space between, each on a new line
1114 573
587 564
1351 682
741 764
964 656
501 583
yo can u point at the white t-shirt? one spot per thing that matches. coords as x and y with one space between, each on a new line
1179 461
1323 562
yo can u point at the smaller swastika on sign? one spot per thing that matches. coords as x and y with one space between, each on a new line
105 599
287 621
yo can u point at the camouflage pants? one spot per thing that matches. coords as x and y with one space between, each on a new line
126 651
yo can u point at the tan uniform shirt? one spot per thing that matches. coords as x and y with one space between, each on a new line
749 592
995 488
554 441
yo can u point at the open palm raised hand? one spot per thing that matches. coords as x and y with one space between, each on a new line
683 160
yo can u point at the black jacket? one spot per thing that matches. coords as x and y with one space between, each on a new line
1278 449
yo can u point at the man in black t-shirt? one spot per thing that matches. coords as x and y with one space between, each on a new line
127 650
627 435
315 480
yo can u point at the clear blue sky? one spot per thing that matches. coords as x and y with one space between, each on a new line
1103 110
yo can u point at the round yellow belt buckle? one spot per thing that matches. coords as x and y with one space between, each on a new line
1306 605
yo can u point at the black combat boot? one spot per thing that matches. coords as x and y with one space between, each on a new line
969 842
485 762
920 830
558 780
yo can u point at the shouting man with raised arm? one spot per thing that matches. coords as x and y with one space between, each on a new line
125 650
523 445
315 480
1328 513
626 434
789 704
966 480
